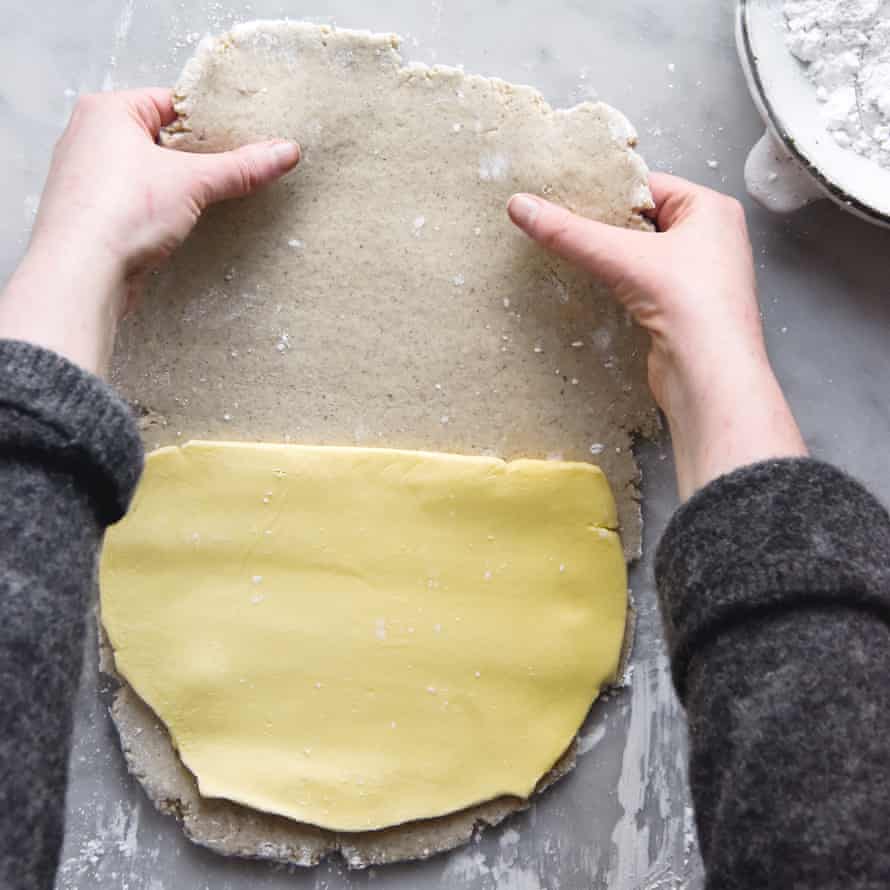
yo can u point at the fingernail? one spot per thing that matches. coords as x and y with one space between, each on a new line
523 210
286 153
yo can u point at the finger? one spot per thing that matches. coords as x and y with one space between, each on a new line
238 173
674 198
605 251
663 185
153 107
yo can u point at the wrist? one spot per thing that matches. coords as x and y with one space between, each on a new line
725 410
693 379
67 296
77 266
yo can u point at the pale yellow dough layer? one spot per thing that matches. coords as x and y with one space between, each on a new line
359 638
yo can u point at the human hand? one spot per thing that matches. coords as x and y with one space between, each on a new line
115 205
692 286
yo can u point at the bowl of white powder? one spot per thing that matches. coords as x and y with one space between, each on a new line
819 72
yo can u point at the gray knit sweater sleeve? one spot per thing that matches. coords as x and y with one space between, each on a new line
70 457
775 593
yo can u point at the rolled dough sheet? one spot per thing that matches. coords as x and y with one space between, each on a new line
379 295
358 639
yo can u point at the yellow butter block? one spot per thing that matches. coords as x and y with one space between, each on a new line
358 638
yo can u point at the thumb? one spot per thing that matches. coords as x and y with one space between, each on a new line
607 252
239 173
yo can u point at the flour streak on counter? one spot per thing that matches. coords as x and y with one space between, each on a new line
650 843
470 868
121 33
116 832
653 841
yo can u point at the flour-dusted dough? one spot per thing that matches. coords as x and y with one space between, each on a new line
379 296
362 638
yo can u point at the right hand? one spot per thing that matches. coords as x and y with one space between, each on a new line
692 286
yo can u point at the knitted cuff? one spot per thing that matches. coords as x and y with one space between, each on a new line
775 536
53 411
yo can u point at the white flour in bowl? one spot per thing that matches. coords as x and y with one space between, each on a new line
846 47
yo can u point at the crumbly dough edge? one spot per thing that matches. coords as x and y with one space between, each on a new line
178 134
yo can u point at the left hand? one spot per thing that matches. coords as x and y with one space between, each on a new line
115 205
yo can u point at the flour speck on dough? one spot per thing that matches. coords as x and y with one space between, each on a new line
494 167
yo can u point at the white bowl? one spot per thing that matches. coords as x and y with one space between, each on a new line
798 160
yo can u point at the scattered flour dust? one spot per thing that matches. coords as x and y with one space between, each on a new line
846 47
652 842
116 832
506 872
121 33
494 167
31 206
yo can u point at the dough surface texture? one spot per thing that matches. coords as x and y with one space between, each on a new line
357 639
379 296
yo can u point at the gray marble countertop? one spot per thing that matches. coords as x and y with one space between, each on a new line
622 819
